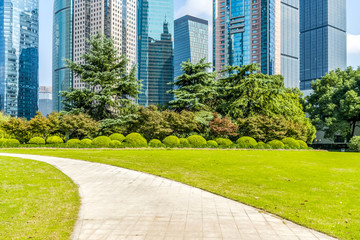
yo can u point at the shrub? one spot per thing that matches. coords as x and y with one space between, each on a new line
115 144
355 143
303 145
224 142
155 143
184 142
246 142
54 140
135 140
197 141
13 142
276 144
37 141
212 144
117 136
86 142
171 141
73 142
291 143
3 142
102 141
260 145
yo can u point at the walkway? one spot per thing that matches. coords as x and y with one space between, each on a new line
123 204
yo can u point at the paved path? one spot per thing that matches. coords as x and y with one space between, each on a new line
123 204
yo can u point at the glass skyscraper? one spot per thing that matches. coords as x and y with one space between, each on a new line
62 49
191 41
155 50
19 57
322 39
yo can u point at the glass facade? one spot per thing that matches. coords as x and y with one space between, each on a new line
290 43
191 41
322 39
155 50
62 49
19 57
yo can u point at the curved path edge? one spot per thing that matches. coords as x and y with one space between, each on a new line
118 203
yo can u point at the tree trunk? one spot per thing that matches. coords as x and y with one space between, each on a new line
353 128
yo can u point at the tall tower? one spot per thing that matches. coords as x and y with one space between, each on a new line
62 49
191 41
322 39
19 57
248 31
155 28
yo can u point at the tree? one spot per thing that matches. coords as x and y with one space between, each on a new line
195 88
223 127
39 126
334 105
181 123
78 126
17 128
109 89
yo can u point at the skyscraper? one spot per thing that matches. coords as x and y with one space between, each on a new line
155 34
191 41
62 49
19 57
322 39
45 100
248 31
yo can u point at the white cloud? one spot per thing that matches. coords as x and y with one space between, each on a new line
353 44
197 8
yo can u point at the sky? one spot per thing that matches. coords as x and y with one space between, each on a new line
197 8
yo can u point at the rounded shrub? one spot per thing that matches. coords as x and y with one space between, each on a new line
101 141
223 142
155 143
54 140
291 143
13 142
73 142
276 144
115 144
197 141
172 141
355 143
117 136
303 145
86 142
246 142
37 141
212 144
260 145
3 142
135 140
184 142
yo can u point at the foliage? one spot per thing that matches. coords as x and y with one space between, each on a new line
224 142
86 142
223 127
115 144
155 143
117 136
302 144
172 141
39 126
212 144
17 128
101 141
37 141
73 142
355 143
135 140
184 142
109 90
181 123
291 142
12 142
246 142
276 144
54 140
195 88
334 105
197 141
78 126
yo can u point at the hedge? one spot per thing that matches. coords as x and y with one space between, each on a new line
115 144
86 142
224 142
184 142
197 141
37 141
303 145
101 141
73 142
212 144
54 140
155 143
172 141
246 142
117 136
291 142
135 140
276 144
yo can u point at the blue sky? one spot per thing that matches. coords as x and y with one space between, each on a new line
198 8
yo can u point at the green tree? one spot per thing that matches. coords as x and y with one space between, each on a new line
78 126
39 126
195 88
334 105
17 128
110 89
181 124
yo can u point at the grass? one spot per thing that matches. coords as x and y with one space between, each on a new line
37 201
320 190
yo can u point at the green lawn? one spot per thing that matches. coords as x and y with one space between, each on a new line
37 201
320 190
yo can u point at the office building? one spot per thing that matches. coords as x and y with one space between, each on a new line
62 49
322 39
191 41
19 57
155 50
45 100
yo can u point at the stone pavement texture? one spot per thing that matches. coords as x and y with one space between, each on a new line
122 204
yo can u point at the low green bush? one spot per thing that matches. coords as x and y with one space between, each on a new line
101 141
155 143
212 144
172 141
246 142
291 143
184 142
224 142
115 144
276 144
260 145
355 143
73 142
86 142
3 142
54 140
303 145
13 142
135 140
197 141
37 141
117 136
